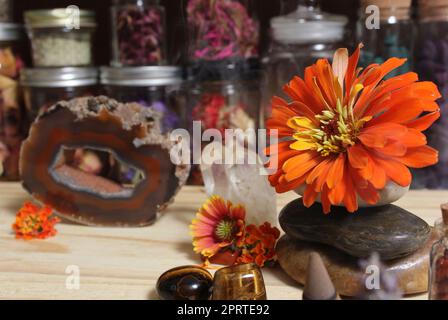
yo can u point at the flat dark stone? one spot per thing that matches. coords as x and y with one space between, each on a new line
389 230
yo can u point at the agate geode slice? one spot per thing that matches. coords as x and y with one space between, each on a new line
136 179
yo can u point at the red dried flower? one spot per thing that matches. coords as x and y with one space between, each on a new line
33 222
215 113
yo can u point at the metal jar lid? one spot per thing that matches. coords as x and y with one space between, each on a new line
59 17
59 77
141 76
10 31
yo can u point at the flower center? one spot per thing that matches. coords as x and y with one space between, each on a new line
337 130
31 223
225 230
335 134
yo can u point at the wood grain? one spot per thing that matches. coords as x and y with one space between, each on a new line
125 263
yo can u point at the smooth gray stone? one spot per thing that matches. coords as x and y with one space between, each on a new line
389 230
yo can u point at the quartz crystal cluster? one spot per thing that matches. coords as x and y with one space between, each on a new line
243 183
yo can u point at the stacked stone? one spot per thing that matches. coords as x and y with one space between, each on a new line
402 240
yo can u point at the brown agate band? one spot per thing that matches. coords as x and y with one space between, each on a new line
127 131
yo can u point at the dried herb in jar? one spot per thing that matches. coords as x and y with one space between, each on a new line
11 117
214 113
140 35
221 29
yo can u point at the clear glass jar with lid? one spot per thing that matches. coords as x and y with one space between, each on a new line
43 87
431 56
159 87
139 36
298 40
391 36
13 127
61 37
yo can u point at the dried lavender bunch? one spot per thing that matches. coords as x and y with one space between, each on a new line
140 35
221 29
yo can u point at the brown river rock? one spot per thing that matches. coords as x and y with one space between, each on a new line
412 271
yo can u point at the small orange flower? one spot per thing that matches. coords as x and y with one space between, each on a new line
347 132
259 244
33 222
218 224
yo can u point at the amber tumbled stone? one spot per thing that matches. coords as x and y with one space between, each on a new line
185 283
239 282
128 134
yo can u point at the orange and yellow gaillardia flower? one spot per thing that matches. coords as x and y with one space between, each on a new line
219 224
348 132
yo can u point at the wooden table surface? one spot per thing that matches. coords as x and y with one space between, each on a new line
125 263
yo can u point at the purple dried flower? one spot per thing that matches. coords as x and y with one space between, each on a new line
170 120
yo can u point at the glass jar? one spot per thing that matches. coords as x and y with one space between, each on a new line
139 37
158 87
298 40
221 29
224 96
12 125
43 87
393 36
226 102
61 37
438 271
432 65
6 12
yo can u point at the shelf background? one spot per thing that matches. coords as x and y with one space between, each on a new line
176 27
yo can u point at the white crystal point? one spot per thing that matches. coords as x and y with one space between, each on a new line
392 192
243 184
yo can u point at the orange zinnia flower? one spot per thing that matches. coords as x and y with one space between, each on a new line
218 224
33 222
347 132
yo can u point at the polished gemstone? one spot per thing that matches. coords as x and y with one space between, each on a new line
240 282
185 283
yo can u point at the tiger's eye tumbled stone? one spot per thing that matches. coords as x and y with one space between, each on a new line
240 282
185 283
